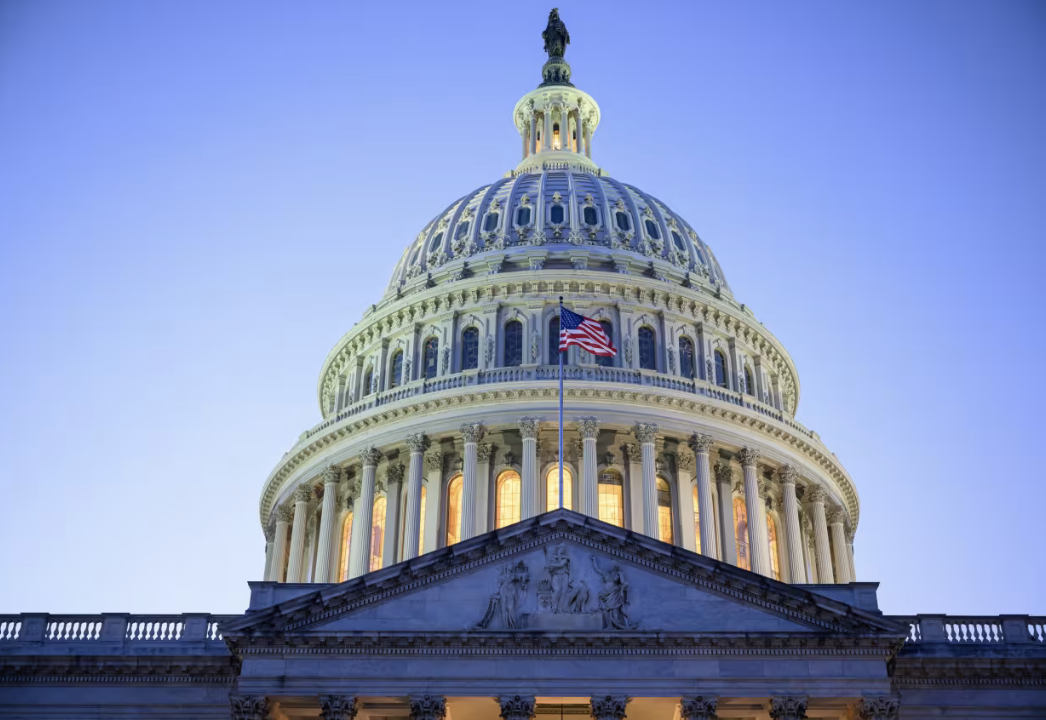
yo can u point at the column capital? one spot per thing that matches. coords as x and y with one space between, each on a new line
685 461
724 472
879 708
699 707
338 707
609 707
249 707
701 443
303 493
748 457
517 707
528 427
370 457
835 516
787 475
418 442
645 433
789 707
588 427
331 474
284 514
483 452
850 533
816 494
394 473
632 451
428 707
270 532
434 460
472 432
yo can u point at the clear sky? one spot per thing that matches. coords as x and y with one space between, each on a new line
197 199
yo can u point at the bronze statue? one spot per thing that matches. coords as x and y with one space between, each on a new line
555 36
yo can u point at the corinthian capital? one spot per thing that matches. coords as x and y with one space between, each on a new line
472 432
645 432
724 472
270 532
418 442
685 461
609 707
816 494
517 707
700 707
788 708
588 427
331 474
786 474
338 707
835 516
748 457
434 460
701 443
880 708
632 452
428 707
483 452
284 514
303 493
370 457
528 427
249 707
394 473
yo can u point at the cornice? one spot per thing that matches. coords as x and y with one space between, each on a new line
201 669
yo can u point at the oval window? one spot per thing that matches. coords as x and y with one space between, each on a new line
523 216
651 230
491 223
590 216
623 223
556 215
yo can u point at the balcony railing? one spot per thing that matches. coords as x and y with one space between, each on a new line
113 632
975 630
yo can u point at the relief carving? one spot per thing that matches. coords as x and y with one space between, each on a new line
558 594
505 608
613 598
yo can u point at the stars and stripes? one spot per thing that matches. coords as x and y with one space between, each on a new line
584 332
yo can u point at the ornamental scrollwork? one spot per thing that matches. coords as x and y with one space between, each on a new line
787 475
701 443
788 708
700 707
609 707
472 432
588 427
724 472
418 442
748 457
528 427
428 707
338 707
434 461
331 474
645 433
879 708
483 452
249 707
517 707
370 457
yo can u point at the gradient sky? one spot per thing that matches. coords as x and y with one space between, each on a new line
197 199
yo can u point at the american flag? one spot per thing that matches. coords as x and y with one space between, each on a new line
584 332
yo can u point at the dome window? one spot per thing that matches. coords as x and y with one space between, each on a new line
431 358
436 241
368 382
700 255
664 511
652 231
611 497
397 370
557 214
647 349
470 349
749 383
590 217
606 360
623 223
556 143
523 216
513 343
686 357
462 231
720 369
678 241
490 224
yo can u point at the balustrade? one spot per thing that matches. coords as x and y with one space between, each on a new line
970 630
62 633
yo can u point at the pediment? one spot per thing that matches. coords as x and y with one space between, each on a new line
561 573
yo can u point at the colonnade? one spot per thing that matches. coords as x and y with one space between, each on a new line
829 554
572 121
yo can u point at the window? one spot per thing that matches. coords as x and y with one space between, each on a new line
470 349
436 241
556 214
553 341
490 223
623 223
686 357
697 522
368 382
454 510
647 358
589 216
664 511
377 534
508 499
678 241
749 383
346 540
611 498
741 534
513 343
720 369
555 137
523 216
606 360
700 255
552 488
397 370
652 231
431 366
462 231
775 560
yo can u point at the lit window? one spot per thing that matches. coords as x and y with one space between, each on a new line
431 357
623 223
346 539
523 216
611 498
606 360
775 560
697 522
490 224
552 488
686 357
397 369
508 498
377 534
454 510
470 349
556 214
651 230
436 241
720 369
555 137
589 216
553 341
741 533
664 511
513 343
647 356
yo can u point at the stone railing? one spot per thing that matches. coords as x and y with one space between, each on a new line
585 373
973 630
41 633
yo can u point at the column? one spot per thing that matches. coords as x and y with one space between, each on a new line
724 477
270 536
328 516
338 707
296 568
702 445
472 433
581 132
382 371
634 456
879 708
433 498
758 543
787 475
546 134
685 493
278 565
528 430
517 707
417 444
588 142
484 453
836 517
789 707
589 495
428 707
850 554
357 380
393 491
810 548
699 707
816 495
359 545
646 433
532 139
609 707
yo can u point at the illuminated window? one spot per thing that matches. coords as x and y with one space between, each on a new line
454 510
523 216
346 539
749 383
775 560
552 488
368 382
470 349
377 534
513 343
589 216
490 223
397 369
647 356
508 498
697 522
553 341
741 534
556 214
555 137
431 365
436 241
623 223
651 230
686 357
664 511
720 368
606 360
611 498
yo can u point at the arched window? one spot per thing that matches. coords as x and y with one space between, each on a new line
368 382
590 216
490 223
623 223
652 231
454 510
686 357
749 383
611 498
346 540
377 534
741 534
697 522
556 214
523 216
606 360
647 350
552 488
431 365
556 144
437 240
508 499
553 341
775 558
664 511
470 349
513 343
720 368
396 378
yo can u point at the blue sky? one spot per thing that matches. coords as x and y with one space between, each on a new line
197 199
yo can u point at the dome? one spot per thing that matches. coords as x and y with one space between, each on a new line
575 214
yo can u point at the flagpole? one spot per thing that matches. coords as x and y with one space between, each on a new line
561 404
